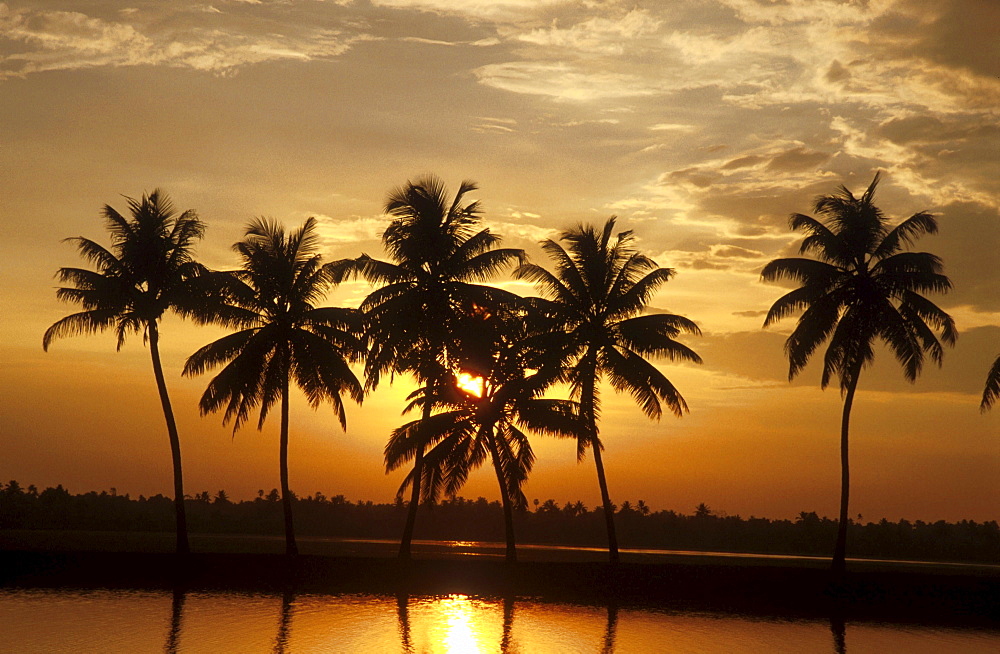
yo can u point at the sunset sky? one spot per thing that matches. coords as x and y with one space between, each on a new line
702 124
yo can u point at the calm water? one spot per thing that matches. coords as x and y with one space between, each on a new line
49 622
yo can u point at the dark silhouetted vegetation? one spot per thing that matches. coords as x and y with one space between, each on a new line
992 390
416 320
597 300
282 338
571 523
148 271
860 287
432 317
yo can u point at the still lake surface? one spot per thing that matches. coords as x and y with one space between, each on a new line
102 621
53 621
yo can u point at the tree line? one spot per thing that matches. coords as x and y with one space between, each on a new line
484 359
549 522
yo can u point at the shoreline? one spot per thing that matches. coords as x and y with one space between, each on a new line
220 543
763 589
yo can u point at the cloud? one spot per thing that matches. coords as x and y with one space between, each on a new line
735 252
532 234
797 159
837 73
490 9
220 44
597 35
356 229
743 162
562 81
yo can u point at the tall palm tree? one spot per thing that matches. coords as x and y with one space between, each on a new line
148 270
860 287
598 293
992 390
510 369
413 318
282 337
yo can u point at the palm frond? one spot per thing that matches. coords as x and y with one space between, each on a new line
486 265
991 392
906 233
806 271
630 297
814 326
550 285
930 313
105 260
627 371
218 352
85 322
921 272
653 335
850 349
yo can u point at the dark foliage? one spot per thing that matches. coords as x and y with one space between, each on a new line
480 520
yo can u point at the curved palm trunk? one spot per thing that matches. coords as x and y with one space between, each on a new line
587 402
286 497
840 549
418 471
175 442
609 511
508 508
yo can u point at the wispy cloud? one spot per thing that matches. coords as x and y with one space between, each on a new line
47 40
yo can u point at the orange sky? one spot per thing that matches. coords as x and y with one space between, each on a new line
702 127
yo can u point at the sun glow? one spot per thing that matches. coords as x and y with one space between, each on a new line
470 384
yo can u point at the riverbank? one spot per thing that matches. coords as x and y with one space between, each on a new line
766 588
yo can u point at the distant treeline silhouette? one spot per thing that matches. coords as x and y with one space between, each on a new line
571 523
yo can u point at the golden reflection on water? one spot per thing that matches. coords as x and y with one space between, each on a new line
194 622
458 630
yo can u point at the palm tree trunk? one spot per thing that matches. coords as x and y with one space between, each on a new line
840 549
588 409
175 442
286 496
609 510
508 509
418 471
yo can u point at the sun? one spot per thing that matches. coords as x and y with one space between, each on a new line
473 385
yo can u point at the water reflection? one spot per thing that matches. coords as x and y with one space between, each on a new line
403 615
176 614
609 630
506 643
284 622
184 622
839 630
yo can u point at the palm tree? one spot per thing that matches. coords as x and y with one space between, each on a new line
598 294
282 337
859 287
413 319
992 390
511 368
148 270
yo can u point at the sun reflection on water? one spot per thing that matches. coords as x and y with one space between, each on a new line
459 625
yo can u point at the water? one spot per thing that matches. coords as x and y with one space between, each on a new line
103 621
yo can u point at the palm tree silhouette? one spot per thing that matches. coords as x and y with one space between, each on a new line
148 270
860 287
598 294
516 369
413 318
282 337
992 390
